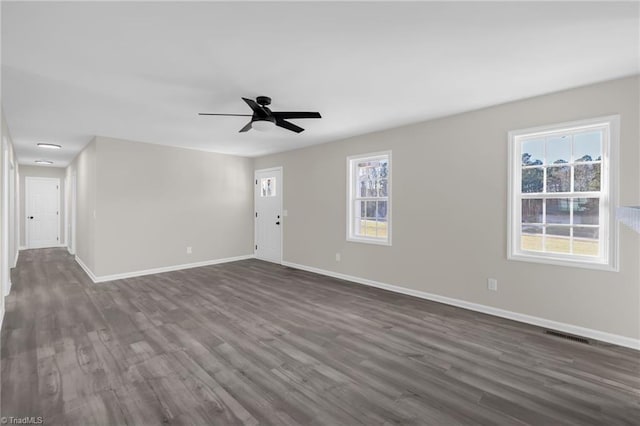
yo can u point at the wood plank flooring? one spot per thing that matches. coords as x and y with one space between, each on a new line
256 343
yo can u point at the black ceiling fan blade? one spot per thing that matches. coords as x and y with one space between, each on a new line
257 109
247 127
231 115
287 125
295 114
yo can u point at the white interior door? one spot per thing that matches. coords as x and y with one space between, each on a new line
268 214
42 212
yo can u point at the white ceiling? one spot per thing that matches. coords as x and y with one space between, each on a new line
142 71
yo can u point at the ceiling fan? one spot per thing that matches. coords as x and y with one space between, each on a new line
264 119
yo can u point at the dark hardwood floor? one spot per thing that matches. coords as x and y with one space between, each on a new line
256 343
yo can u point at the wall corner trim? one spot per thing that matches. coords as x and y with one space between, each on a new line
105 278
615 339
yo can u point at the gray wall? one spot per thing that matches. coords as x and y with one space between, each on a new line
450 211
7 211
84 167
13 211
41 171
153 201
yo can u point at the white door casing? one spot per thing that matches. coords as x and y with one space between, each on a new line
14 225
5 278
268 214
72 240
42 215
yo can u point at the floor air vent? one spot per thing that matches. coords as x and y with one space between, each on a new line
567 336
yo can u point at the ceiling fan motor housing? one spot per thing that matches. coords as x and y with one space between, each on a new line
267 118
263 124
263 100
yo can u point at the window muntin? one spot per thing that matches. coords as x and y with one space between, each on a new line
369 203
561 198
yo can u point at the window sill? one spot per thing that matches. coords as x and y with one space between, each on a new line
369 241
557 261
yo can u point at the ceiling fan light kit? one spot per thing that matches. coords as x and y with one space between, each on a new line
263 119
263 125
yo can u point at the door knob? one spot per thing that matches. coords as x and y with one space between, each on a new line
29 217
278 223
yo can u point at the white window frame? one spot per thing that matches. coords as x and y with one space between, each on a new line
351 198
608 259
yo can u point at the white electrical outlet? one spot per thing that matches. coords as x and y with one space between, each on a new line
492 284
338 257
189 251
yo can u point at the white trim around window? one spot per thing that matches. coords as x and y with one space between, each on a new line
555 197
369 198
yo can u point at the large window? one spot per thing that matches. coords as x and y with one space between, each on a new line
369 203
562 194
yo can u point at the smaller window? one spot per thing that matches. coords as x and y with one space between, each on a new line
268 187
369 198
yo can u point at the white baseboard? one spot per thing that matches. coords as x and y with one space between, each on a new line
44 247
86 269
15 259
627 342
104 278
70 252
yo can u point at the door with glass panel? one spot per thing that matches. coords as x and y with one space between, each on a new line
268 214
